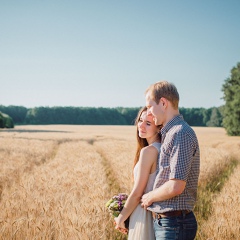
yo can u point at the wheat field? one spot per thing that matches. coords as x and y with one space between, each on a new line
56 179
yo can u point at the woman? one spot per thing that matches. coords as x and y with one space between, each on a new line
145 164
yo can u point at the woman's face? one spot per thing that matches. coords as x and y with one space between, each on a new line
146 126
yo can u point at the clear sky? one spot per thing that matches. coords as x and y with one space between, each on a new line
106 53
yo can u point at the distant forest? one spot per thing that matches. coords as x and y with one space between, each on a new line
211 117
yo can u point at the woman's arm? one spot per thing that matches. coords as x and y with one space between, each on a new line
148 156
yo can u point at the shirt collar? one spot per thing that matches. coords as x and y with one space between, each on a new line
171 123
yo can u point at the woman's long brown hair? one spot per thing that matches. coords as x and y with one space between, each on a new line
141 142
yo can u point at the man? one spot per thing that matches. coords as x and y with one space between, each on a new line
175 188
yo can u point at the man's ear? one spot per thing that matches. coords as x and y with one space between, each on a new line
164 102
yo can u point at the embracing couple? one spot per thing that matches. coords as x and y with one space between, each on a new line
166 171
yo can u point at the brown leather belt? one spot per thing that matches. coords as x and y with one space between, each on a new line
170 214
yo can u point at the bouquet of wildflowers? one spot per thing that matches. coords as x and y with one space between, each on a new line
116 204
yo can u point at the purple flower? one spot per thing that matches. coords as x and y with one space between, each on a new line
116 204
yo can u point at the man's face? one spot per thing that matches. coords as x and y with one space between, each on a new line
155 109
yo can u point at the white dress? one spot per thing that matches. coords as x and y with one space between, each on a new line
141 220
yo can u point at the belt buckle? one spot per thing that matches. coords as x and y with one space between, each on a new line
157 215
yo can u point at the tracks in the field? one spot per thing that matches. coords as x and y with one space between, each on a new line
208 191
112 181
112 189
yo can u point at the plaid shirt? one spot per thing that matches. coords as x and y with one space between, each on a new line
179 159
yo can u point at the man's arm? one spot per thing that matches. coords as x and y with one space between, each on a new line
168 190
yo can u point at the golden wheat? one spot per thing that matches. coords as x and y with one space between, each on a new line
224 222
59 199
55 180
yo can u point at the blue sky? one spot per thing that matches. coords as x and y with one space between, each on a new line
106 53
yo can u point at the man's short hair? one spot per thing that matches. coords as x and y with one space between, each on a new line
163 89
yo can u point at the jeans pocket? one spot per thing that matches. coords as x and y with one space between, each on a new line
166 229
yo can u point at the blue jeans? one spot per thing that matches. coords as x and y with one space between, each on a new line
183 227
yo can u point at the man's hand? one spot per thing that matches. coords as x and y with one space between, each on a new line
146 200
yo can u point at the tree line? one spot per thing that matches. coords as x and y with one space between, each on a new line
103 116
227 116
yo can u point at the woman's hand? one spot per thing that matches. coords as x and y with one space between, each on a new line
120 226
